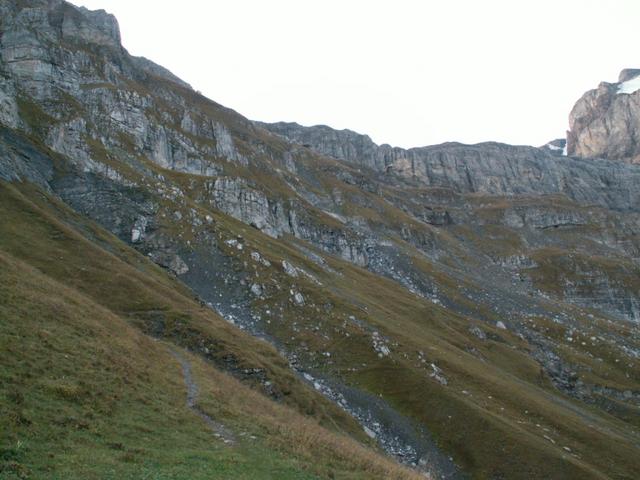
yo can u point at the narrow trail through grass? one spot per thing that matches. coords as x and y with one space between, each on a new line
218 429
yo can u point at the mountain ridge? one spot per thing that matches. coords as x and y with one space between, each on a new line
430 166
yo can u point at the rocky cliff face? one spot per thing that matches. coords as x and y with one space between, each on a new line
605 122
463 272
68 79
503 171
489 168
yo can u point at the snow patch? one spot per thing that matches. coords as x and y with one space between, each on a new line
630 86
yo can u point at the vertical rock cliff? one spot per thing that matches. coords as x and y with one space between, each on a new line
605 122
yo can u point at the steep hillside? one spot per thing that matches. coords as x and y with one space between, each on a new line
471 310
87 394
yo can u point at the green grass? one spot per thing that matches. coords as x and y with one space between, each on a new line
84 396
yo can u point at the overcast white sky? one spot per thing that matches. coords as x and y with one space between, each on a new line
405 72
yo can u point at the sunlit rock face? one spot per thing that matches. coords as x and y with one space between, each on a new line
605 122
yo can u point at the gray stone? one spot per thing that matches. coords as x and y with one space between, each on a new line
178 266
256 289
298 299
606 123
289 269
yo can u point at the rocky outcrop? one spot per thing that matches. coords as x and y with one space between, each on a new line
159 71
53 85
544 217
341 144
249 205
605 122
598 290
123 119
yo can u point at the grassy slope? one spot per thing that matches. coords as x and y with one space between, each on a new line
43 234
506 406
85 394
